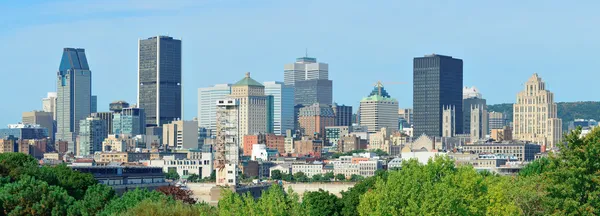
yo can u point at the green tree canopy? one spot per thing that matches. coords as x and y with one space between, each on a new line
276 175
321 203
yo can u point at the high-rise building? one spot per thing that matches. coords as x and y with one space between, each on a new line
228 141
535 116
252 105
308 92
305 68
343 114
448 121
181 134
479 122
471 98
118 106
159 79
313 119
379 110
437 82
43 119
49 104
92 132
107 117
496 120
24 131
207 108
283 106
74 95
94 106
131 121
405 116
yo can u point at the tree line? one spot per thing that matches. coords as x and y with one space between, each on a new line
566 183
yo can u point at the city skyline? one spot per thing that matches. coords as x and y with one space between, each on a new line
511 59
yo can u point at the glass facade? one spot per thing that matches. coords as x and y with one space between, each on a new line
283 106
207 105
437 82
309 92
130 121
93 132
74 95
159 90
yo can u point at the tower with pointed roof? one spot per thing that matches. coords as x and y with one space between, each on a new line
74 95
379 110
253 106
535 115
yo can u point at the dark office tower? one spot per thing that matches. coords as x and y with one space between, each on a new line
74 95
159 79
437 82
309 92
343 115
94 107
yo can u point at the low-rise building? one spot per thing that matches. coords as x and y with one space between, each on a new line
284 168
186 167
523 151
308 146
125 178
122 157
308 169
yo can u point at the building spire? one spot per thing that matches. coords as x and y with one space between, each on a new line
306 52
247 74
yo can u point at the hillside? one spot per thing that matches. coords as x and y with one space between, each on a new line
567 111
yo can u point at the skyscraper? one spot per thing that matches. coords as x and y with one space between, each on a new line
252 105
131 121
379 110
343 115
43 119
107 117
283 106
93 132
49 104
94 106
181 134
535 116
74 95
313 119
159 79
437 82
305 68
228 141
471 98
308 92
207 105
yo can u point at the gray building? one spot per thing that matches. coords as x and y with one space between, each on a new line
207 110
24 131
437 82
496 120
43 119
94 106
159 79
129 121
118 106
309 92
283 106
343 115
74 95
92 133
107 117
471 99
305 68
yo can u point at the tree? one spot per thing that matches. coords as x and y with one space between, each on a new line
94 200
194 178
276 175
380 152
321 203
351 198
287 177
273 201
328 176
213 176
177 193
131 199
340 177
162 207
356 178
317 178
300 177
29 196
172 174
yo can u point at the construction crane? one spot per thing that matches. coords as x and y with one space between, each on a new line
379 85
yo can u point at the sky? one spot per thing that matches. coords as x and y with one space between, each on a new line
502 43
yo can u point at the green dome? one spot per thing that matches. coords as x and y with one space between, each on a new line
247 81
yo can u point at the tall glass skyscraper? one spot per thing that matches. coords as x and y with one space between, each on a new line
207 105
74 95
159 79
437 82
131 121
283 106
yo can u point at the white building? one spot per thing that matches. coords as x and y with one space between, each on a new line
305 68
346 169
395 163
181 134
368 168
227 142
259 152
283 106
308 169
284 168
207 110
379 110
202 167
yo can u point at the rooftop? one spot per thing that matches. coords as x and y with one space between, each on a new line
247 81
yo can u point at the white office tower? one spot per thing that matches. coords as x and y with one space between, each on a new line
207 110
379 110
49 104
305 68
283 106
228 142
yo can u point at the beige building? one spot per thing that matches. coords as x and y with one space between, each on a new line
479 122
535 116
448 121
181 134
380 140
114 144
252 106
379 110
43 119
504 134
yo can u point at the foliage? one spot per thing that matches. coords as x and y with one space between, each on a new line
94 200
132 198
328 176
321 203
157 207
350 153
301 177
172 174
340 177
29 196
356 178
177 193
276 175
274 201
317 178
351 198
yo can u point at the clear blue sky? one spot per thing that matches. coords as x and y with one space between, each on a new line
501 43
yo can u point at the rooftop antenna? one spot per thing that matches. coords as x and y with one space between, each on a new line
306 52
